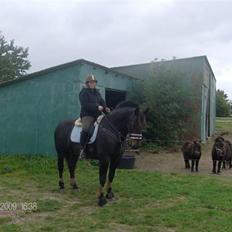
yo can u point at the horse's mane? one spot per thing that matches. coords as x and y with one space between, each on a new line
127 103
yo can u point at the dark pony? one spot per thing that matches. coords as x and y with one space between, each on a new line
126 118
218 154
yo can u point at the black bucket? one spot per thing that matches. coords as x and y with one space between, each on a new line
127 162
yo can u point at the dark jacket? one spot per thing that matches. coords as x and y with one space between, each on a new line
90 99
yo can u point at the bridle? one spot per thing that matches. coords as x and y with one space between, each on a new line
122 138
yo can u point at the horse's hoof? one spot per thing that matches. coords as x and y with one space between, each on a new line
61 190
76 188
110 196
102 201
61 185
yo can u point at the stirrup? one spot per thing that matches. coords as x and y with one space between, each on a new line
82 154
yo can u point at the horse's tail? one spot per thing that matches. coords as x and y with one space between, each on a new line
62 136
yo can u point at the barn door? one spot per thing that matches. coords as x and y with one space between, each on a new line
204 113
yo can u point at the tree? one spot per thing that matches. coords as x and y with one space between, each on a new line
223 105
230 107
13 60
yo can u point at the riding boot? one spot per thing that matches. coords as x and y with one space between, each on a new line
83 142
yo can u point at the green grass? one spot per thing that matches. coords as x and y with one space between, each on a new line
224 125
145 201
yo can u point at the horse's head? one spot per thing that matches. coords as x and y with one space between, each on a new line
136 123
219 146
196 148
137 118
134 118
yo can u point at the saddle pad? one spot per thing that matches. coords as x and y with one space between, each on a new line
76 134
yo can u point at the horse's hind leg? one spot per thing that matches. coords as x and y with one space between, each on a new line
72 161
103 168
60 164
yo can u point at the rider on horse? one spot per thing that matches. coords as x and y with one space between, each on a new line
92 105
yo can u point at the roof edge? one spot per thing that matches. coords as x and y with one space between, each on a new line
194 57
188 58
207 62
61 66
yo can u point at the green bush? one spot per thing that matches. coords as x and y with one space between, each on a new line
170 104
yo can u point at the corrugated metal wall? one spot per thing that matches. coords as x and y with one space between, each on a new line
31 109
208 102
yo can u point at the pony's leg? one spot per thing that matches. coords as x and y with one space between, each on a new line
214 166
223 164
60 164
192 165
219 166
113 165
197 163
72 161
103 167
187 165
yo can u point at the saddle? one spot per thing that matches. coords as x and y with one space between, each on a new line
76 131
79 123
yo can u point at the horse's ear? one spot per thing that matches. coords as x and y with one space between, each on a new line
219 139
146 111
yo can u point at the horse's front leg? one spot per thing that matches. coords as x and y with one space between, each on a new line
103 167
113 165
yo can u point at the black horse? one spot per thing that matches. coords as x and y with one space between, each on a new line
126 118
218 154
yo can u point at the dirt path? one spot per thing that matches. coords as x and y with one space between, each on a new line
174 163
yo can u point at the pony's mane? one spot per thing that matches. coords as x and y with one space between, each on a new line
127 103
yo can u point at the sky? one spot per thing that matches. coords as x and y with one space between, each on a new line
122 32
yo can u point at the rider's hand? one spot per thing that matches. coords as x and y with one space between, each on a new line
107 109
100 108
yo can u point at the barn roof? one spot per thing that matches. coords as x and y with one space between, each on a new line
143 69
63 66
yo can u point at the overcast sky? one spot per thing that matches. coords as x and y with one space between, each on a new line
122 32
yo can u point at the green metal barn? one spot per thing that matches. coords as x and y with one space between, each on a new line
32 106
196 75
